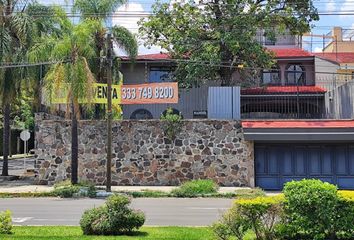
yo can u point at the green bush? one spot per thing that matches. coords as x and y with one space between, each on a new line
172 124
260 215
113 218
196 188
232 225
66 190
314 210
5 222
345 215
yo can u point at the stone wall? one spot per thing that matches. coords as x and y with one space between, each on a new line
142 155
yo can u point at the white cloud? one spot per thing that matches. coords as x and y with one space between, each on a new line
331 5
132 14
347 8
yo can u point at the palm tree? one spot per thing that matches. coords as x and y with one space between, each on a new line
70 50
18 26
101 10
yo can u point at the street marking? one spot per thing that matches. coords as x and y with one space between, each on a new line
57 219
21 220
206 208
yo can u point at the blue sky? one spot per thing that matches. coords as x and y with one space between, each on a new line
323 26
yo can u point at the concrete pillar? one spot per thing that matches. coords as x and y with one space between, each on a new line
282 68
337 33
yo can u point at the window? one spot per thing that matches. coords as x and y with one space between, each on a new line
269 41
272 76
141 114
295 75
160 74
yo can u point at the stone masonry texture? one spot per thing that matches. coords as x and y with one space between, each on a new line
143 155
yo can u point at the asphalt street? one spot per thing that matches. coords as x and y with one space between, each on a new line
158 211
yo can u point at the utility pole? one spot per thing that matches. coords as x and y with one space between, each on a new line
109 63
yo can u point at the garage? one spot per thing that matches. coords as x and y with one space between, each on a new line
294 150
276 164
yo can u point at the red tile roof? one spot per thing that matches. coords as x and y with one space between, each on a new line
299 124
279 53
151 57
337 57
282 89
290 52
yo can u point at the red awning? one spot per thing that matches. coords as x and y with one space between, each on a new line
298 124
282 89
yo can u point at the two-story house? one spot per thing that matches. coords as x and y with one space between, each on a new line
289 90
291 116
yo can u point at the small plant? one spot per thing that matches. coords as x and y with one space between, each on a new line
196 188
66 190
5 222
231 225
259 215
113 218
172 123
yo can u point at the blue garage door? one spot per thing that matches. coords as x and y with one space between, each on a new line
276 164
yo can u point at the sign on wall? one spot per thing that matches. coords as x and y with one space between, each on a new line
151 93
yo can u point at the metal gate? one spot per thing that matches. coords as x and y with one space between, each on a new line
276 164
224 103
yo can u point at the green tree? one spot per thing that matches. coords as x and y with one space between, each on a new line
101 10
220 35
70 49
19 24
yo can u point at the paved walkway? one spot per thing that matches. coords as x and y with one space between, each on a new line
13 188
17 166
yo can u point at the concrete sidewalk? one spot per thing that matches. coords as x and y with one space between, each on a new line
40 188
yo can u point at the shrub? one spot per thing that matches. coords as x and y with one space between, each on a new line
113 218
196 188
172 123
231 225
5 222
263 214
66 190
345 211
311 210
260 215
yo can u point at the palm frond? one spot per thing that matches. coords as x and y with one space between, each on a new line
5 43
22 27
97 9
125 40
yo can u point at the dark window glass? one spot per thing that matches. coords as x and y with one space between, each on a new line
295 74
160 74
141 114
271 76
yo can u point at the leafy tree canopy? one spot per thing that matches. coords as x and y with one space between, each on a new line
219 36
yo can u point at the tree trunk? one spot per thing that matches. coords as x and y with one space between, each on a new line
74 146
99 39
6 140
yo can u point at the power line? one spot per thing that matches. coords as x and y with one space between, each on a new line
18 65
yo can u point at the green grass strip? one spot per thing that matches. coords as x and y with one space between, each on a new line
145 233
